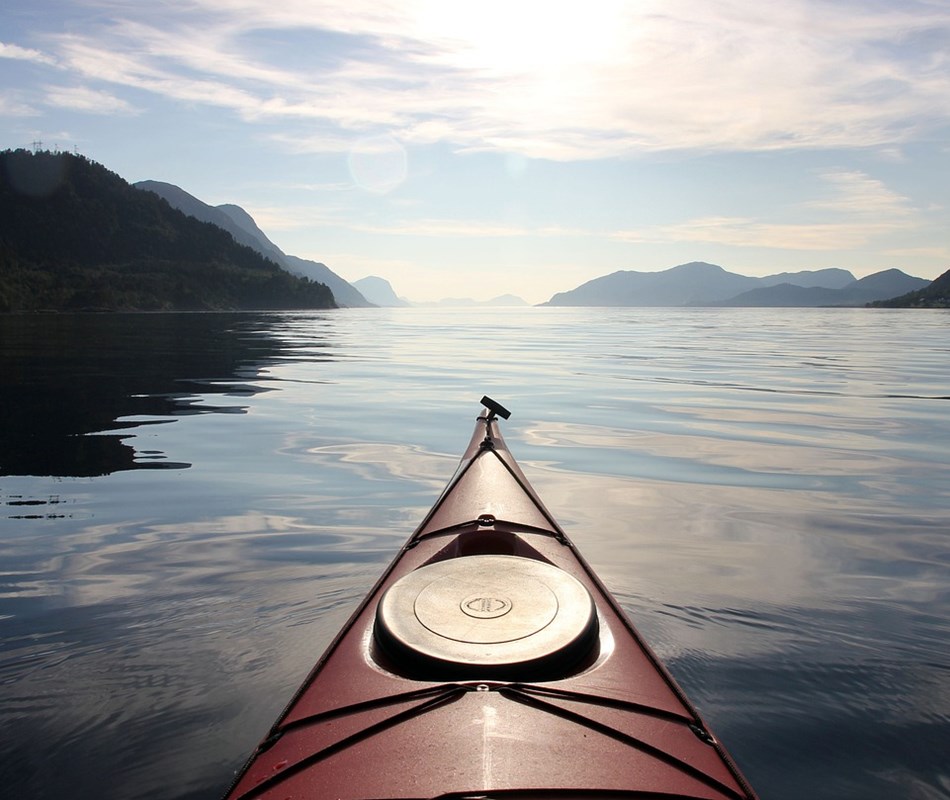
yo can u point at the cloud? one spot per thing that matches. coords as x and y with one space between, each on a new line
547 79
445 228
743 232
330 186
340 218
12 105
856 194
133 70
18 53
454 229
933 253
82 98
854 210
284 218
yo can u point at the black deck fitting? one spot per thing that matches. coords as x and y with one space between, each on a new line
495 408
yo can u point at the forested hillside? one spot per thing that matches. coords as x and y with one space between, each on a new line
936 295
75 236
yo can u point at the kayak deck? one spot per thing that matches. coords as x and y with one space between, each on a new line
489 662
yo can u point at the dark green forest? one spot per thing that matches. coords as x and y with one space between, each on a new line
75 236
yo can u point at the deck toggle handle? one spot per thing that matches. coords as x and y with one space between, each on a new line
495 408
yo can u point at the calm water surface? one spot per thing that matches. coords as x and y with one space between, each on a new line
192 505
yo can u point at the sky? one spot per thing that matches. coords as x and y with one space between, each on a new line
482 148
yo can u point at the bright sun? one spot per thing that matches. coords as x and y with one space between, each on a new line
505 37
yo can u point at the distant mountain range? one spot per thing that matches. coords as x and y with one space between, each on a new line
75 236
381 293
241 225
700 284
502 301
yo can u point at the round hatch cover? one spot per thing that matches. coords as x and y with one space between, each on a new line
498 613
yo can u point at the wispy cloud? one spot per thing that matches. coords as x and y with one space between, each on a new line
12 104
285 218
273 218
857 194
456 229
132 70
444 228
743 232
854 210
935 253
555 80
82 98
13 51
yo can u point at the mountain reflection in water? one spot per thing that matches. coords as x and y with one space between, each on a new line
70 379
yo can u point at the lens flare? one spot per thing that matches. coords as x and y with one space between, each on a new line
378 164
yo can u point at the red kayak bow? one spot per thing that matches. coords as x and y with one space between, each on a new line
489 661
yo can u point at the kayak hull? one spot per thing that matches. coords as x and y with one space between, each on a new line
489 661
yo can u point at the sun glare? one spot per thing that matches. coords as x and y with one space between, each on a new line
506 37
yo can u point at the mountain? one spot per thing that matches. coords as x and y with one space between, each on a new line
702 284
75 236
832 278
380 292
695 282
782 295
878 286
881 285
193 207
502 301
241 225
347 295
934 295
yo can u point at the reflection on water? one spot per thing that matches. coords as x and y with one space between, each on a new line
766 493
67 377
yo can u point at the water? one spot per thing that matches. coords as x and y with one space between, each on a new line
192 505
